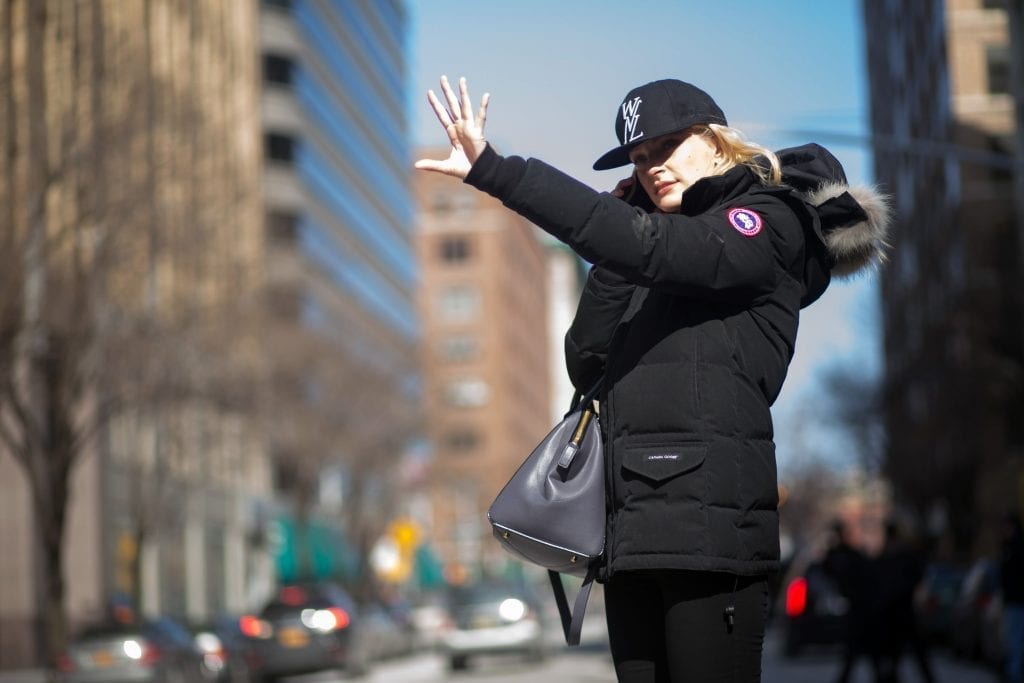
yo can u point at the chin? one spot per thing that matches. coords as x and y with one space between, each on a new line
668 204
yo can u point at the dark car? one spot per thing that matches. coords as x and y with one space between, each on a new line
157 651
305 628
492 618
972 611
934 600
814 610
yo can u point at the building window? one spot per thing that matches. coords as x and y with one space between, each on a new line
279 147
994 4
461 440
282 227
459 348
459 303
467 393
997 58
278 4
454 249
277 69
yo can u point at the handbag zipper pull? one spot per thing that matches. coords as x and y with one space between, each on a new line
568 453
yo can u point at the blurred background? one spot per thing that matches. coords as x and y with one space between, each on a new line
247 353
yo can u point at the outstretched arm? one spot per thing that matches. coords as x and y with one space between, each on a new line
465 132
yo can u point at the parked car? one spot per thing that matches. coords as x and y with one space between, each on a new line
428 619
159 650
228 655
973 606
305 628
386 632
935 599
993 633
492 618
814 612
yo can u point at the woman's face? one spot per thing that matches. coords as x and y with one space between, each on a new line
666 166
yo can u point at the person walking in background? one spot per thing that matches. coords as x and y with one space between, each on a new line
900 568
855 576
702 260
1011 570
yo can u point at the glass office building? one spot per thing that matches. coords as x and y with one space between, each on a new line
339 210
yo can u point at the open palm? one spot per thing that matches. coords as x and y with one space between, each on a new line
465 132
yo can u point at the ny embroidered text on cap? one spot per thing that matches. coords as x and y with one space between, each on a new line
654 109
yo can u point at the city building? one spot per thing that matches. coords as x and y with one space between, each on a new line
486 358
341 265
946 146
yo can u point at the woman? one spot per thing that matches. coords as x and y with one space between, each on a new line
702 262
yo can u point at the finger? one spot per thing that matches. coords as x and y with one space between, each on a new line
453 102
481 117
442 114
467 103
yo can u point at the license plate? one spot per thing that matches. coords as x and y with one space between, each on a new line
102 659
293 637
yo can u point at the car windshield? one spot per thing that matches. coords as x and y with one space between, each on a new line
292 598
483 593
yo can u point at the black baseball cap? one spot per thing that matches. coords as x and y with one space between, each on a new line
658 108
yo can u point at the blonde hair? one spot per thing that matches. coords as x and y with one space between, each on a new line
738 151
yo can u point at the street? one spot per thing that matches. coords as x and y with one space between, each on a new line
592 664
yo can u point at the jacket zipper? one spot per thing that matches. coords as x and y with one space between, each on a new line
609 468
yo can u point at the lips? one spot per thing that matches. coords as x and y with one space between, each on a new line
663 188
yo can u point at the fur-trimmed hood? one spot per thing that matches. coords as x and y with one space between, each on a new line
852 222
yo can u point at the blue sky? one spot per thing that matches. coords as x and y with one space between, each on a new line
780 69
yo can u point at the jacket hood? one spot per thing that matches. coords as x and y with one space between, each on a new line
852 222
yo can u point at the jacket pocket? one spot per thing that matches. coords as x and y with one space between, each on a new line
659 463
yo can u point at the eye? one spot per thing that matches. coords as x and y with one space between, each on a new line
638 158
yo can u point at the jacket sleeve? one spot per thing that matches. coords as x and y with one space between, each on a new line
604 299
701 255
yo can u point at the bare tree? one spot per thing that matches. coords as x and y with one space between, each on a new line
84 239
855 408
328 407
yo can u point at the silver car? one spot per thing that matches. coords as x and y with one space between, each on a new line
492 618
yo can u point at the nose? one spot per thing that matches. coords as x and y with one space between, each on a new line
650 168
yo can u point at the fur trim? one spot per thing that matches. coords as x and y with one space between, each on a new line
859 245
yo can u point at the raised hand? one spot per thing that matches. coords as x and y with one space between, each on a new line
465 132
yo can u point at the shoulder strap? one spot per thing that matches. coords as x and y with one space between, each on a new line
572 622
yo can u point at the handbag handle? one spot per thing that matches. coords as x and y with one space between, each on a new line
578 434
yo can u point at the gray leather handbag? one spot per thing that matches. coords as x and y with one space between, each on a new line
551 513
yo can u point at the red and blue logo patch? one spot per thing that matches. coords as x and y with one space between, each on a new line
747 221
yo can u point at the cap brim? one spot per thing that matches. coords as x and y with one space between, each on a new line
614 158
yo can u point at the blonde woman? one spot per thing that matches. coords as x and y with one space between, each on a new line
702 261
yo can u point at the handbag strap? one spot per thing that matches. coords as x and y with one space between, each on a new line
579 399
572 622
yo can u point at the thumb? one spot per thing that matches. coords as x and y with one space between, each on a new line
428 165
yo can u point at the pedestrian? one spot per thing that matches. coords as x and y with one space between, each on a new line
1011 573
854 573
702 260
901 567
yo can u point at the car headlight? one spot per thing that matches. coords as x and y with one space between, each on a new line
132 649
512 609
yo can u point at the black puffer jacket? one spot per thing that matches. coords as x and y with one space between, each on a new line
692 320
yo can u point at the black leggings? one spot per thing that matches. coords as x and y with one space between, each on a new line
685 626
